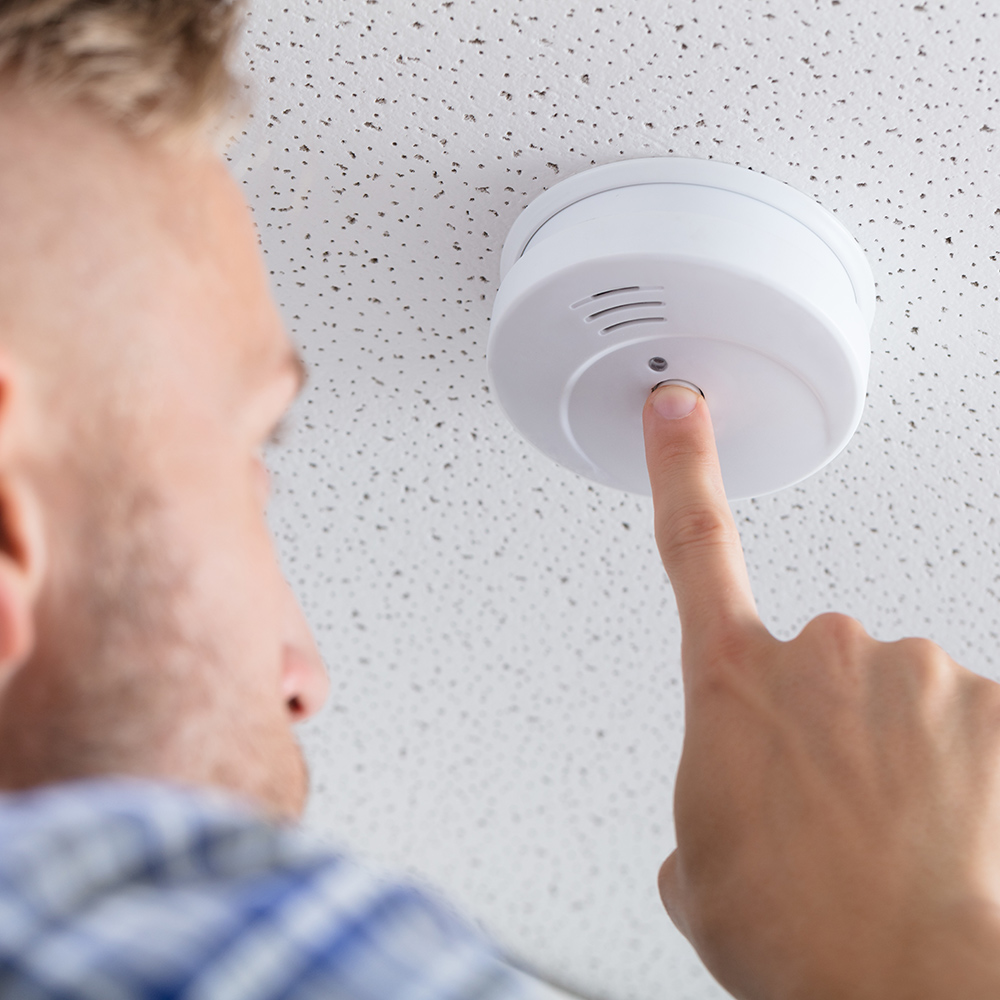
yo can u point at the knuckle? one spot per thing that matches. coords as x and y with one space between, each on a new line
693 529
836 630
925 659
839 643
919 648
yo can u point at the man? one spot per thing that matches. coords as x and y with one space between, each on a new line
838 801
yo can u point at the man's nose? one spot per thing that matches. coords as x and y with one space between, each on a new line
304 683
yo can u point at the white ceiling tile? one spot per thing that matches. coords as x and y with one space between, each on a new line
506 715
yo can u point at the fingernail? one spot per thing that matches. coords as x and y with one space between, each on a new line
673 401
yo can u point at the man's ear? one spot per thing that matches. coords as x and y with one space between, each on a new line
22 536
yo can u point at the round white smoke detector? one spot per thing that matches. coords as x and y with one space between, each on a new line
650 270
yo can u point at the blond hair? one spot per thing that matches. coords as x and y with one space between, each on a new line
154 67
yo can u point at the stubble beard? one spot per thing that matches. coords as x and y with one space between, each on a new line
127 679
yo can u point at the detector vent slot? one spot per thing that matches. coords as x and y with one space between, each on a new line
615 309
596 298
618 309
633 322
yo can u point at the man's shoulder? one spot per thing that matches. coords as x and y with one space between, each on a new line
159 889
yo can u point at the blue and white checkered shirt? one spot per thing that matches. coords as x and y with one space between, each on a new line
120 889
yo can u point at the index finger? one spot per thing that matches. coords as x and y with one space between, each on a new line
695 531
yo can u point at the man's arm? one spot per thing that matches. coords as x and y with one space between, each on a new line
838 799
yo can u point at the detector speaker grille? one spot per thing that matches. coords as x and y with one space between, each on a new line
612 314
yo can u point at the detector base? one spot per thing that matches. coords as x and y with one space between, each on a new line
738 283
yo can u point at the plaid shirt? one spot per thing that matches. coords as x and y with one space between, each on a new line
120 889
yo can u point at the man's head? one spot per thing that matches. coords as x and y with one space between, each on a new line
145 627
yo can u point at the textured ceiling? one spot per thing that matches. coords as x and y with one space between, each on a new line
505 717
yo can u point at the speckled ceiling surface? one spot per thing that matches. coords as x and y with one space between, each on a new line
505 717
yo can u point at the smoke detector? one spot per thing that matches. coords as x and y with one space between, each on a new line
673 269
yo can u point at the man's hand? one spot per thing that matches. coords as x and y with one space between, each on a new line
838 799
